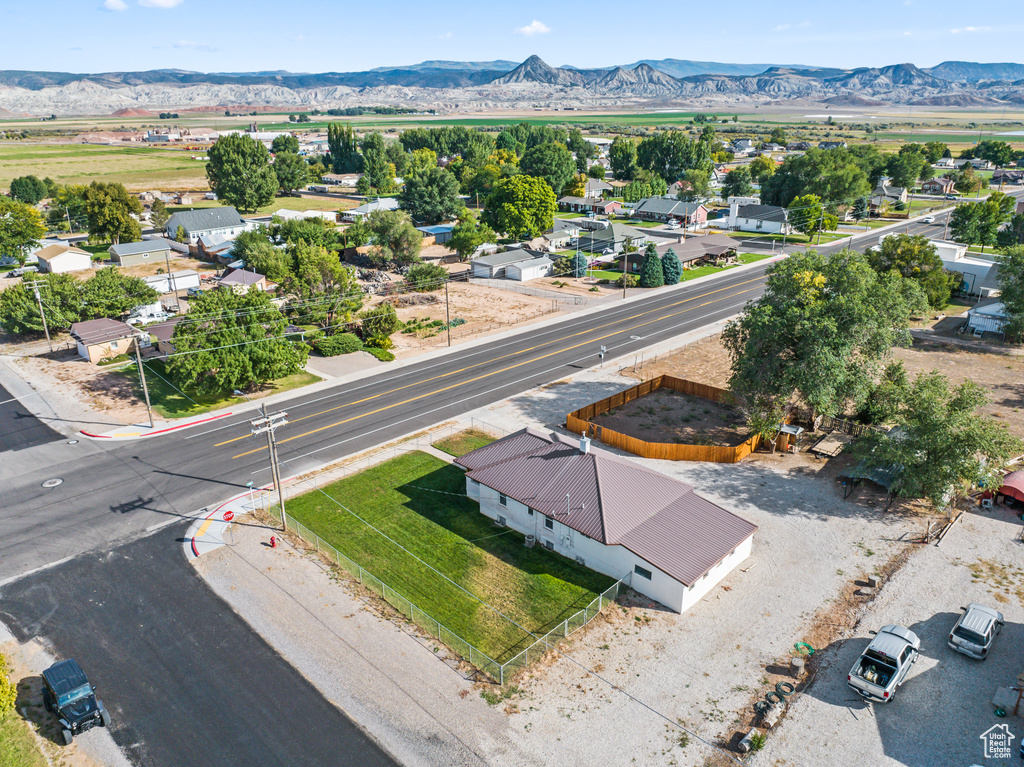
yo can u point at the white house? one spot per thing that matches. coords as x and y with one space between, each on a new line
765 219
383 203
609 514
224 223
58 259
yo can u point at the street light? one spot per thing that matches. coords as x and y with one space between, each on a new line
267 425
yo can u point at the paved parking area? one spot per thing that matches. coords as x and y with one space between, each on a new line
940 712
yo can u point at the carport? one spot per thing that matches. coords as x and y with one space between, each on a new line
1013 487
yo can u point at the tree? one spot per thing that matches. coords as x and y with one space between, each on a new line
807 215
571 266
28 189
694 186
576 186
343 148
469 235
21 228
291 171
888 396
232 341
737 183
322 291
669 153
915 258
965 223
671 268
420 160
376 165
363 185
60 293
378 322
965 180
395 239
761 168
431 194
596 171
180 235
1011 291
823 328
861 208
995 211
934 151
111 293
159 215
521 207
424 278
999 153
905 168
67 208
286 142
622 157
112 213
1013 233
254 248
239 172
778 136
945 445
551 162
834 176
651 274
582 149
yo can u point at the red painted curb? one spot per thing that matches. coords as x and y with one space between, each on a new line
160 431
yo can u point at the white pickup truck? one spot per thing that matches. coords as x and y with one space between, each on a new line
884 664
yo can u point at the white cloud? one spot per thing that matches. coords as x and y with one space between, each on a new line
969 29
115 5
194 46
159 3
782 27
533 28
445 36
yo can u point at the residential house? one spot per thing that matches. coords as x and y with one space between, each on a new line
608 514
162 334
242 281
59 259
137 253
743 147
980 164
944 162
207 222
710 246
348 180
173 282
597 188
831 145
356 214
798 146
561 235
939 185
669 209
496 265
183 199
718 174
1004 176
614 237
886 195
766 219
104 338
588 205
769 147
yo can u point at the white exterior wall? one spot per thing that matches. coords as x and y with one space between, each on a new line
614 561
69 262
757 225
528 271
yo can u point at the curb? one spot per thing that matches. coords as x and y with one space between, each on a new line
144 435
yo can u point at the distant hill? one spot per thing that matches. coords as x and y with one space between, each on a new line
469 66
685 68
969 72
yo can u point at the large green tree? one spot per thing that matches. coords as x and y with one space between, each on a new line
945 446
651 273
322 291
111 293
395 239
551 162
1011 291
995 211
28 189
521 207
431 194
622 158
808 216
914 257
21 228
822 331
112 213
159 215
737 183
343 148
286 142
833 175
1013 233
377 167
762 168
671 267
469 235
906 168
291 171
230 341
965 223
259 254
61 298
694 186
239 172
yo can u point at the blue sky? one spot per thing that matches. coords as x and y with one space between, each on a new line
329 35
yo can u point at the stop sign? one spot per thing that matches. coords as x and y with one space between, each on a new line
229 515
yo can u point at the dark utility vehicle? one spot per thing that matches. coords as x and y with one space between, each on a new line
67 693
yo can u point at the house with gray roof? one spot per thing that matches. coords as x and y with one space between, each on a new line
137 253
609 514
223 222
613 237
763 219
382 203
671 209
495 265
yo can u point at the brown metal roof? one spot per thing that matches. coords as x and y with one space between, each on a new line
100 331
612 500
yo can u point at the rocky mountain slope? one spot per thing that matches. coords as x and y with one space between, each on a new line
446 85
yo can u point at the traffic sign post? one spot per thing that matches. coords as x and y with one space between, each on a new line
229 515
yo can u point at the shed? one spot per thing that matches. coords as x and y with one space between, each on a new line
441 233
494 265
531 269
136 253
169 283
1013 486
241 281
60 259
986 318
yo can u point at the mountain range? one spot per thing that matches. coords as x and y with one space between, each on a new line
452 85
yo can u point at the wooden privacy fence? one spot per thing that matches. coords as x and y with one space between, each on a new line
579 422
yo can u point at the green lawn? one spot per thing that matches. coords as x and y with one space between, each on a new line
420 502
463 442
750 258
606 274
168 402
18 745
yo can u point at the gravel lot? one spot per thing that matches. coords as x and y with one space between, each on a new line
703 668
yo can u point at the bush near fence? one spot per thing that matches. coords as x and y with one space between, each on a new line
579 421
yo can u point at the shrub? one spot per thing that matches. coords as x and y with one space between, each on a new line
424 278
630 280
378 342
342 343
8 690
382 354
379 320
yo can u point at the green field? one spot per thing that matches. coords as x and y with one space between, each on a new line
169 402
138 168
419 501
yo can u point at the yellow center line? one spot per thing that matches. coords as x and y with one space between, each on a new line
497 359
472 380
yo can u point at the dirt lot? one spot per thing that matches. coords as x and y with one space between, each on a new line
705 361
667 416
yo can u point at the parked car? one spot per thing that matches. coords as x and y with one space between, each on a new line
975 631
928 220
67 693
952 196
885 663
195 292
672 225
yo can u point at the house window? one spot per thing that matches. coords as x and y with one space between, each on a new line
502 499
529 512
642 572
549 524
113 344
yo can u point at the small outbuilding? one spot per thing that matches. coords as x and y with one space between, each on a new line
138 253
60 259
241 281
530 269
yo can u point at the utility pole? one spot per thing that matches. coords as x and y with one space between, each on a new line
35 288
142 377
447 313
170 279
266 425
